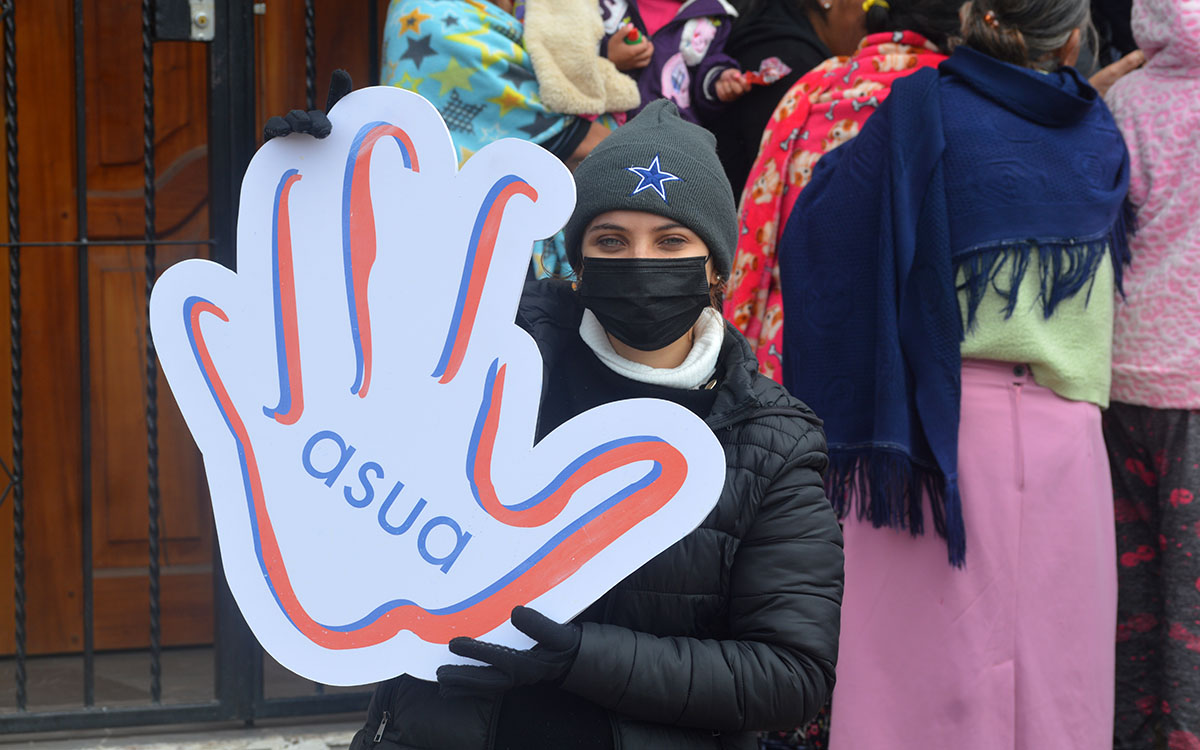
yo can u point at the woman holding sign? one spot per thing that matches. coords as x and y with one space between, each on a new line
734 628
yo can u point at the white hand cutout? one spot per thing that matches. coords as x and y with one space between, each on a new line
366 404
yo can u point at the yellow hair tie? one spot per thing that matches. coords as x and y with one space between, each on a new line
872 3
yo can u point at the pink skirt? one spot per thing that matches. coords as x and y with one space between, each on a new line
1014 652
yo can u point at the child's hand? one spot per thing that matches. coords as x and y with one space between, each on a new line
1104 78
731 85
628 56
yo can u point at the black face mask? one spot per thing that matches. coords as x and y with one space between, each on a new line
647 303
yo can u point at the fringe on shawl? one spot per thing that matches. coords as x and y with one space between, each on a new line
886 487
1064 268
1125 227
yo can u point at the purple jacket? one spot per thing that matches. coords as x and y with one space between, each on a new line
688 54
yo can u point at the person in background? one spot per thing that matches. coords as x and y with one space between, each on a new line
676 52
1152 427
823 110
468 58
948 277
799 33
1115 38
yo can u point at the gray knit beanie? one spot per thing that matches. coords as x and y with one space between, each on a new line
662 164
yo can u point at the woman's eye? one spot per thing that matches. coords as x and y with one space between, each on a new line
673 242
609 242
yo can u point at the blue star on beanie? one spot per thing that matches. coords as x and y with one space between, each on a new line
652 178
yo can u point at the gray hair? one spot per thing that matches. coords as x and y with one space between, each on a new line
1024 32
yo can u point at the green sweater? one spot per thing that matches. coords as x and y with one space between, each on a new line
1070 352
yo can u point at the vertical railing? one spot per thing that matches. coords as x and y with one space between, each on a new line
310 55
373 42
14 310
151 356
85 361
231 140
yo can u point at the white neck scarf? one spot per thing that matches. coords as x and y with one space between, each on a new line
696 370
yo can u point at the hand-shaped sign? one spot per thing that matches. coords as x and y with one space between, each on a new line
366 404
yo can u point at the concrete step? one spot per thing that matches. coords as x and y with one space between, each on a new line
327 736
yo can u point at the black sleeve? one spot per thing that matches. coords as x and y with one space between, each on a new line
777 668
1112 20
739 133
565 143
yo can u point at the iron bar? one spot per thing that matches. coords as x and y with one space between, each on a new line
85 363
257 684
310 54
4 472
231 139
14 311
234 651
373 43
232 133
151 356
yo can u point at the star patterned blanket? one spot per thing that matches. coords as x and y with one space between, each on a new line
469 59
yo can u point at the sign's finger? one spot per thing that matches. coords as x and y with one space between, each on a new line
288 266
287 339
476 269
324 315
519 208
401 151
359 238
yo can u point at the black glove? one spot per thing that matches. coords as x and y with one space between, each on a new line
548 661
314 122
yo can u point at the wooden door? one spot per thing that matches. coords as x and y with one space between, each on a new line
117 317
52 442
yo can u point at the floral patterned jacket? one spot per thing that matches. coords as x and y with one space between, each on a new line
823 110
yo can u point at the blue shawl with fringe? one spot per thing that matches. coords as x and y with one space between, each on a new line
962 173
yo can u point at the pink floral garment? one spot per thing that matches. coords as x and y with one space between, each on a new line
821 111
1155 460
1156 333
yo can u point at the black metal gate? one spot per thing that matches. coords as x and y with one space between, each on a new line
227 27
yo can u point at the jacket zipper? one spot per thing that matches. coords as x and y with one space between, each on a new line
382 726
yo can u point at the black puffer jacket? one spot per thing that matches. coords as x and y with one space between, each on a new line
732 629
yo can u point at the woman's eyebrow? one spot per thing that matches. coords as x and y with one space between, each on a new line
672 225
607 228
